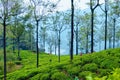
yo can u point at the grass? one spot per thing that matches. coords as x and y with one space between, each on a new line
95 65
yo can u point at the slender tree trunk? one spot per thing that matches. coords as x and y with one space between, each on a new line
59 47
55 47
18 41
99 45
30 40
31 43
44 42
87 42
76 40
50 49
109 43
114 33
105 29
37 49
4 47
56 44
92 29
72 30
13 47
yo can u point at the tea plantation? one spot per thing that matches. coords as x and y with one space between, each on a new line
103 65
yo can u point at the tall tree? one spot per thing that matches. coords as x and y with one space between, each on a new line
115 15
86 25
106 12
50 42
40 9
72 29
93 6
59 21
5 13
77 21
4 16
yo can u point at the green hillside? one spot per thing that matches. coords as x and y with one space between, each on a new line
104 65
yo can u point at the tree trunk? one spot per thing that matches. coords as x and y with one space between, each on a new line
99 45
4 47
13 47
105 29
92 27
18 41
76 40
44 42
72 30
37 49
109 42
59 47
114 33
50 49
30 39
55 47
31 46
87 42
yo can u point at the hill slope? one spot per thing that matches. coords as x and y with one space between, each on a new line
94 65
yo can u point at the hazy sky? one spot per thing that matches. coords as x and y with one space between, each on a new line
66 4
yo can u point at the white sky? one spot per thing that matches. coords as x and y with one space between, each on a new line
66 4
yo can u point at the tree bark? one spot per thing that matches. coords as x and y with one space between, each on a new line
55 47
114 33
92 27
87 41
37 49
18 41
105 29
4 47
59 47
76 40
72 30
13 47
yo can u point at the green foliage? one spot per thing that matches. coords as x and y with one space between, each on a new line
45 77
114 76
83 74
74 71
103 72
110 63
11 57
36 77
84 67
59 76
90 67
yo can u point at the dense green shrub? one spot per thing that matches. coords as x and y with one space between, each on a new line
114 76
59 66
90 67
77 62
45 76
110 63
86 59
82 75
74 71
102 72
97 64
36 77
59 76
